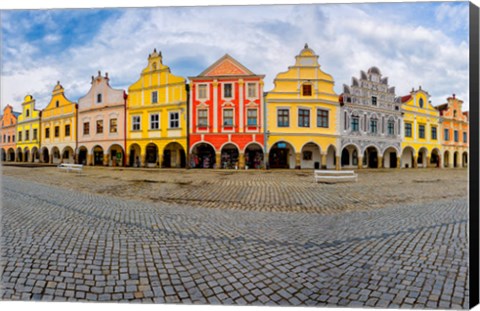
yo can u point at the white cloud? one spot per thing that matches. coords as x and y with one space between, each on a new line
347 39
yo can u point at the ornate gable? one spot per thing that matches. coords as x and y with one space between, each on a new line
226 66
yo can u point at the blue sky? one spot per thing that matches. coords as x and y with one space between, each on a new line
412 43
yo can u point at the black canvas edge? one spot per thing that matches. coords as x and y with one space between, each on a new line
474 157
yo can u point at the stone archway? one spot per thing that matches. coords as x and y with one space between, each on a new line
229 157
331 162
422 158
151 155
407 159
465 159
11 155
370 157
281 155
45 156
203 156
55 154
68 156
116 155
26 155
35 155
349 157
97 153
455 159
446 159
435 159
390 158
173 155
135 156
310 156
83 155
19 155
4 155
254 156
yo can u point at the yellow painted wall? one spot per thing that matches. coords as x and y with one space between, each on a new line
171 97
287 93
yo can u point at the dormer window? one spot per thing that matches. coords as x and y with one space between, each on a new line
420 102
57 103
454 113
28 113
307 90
99 98
154 66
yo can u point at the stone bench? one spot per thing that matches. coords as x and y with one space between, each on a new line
70 167
325 176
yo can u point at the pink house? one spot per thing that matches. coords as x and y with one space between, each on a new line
101 125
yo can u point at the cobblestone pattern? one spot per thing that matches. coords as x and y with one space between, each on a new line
62 245
273 190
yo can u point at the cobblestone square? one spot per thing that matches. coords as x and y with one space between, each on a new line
397 238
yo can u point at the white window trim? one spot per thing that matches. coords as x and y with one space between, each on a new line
208 120
179 120
329 118
151 97
298 117
233 120
255 128
150 121
197 92
223 90
103 127
289 117
96 98
109 126
139 122
256 90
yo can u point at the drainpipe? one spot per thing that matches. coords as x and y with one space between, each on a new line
187 151
265 132
125 96
76 135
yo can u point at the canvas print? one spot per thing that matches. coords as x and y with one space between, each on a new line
272 155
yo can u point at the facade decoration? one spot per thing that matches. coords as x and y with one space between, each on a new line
302 117
157 117
421 143
101 124
226 117
8 135
371 122
28 131
455 133
58 129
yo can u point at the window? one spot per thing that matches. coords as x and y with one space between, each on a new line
391 127
307 90
99 126
67 130
19 136
113 125
35 134
47 132
99 98
455 113
203 117
421 102
446 135
27 135
57 131
283 118
13 138
28 113
135 123
434 133
154 97
57 103
252 117
227 90
464 137
303 118
251 90
174 120
355 124
421 131
408 129
455 136
202 91
322 118
154 121
228 117
374 100
373 125
4 136
86 128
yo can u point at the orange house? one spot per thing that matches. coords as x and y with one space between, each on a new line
455 133
7 137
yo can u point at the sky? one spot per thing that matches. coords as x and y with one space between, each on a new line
411 43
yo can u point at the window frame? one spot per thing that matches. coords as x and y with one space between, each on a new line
170 119
154 95
408 129
136 122
114 128
200 117
287 116
321 117
67 126
433 130
254 86
151 122
307 89
97 123
86 129
421 131
250 118
301 117
224 110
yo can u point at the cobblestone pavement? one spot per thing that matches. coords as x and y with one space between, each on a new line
59 244
274 190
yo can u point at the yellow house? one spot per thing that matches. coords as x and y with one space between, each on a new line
156 117
421 144
59 129
28 131
302 117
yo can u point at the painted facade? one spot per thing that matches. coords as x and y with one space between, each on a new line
8 135
302 117
421 143
28 131
371 122
157 117
226 117
454 133
59 129
101 124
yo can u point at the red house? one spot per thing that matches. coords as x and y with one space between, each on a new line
226 117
